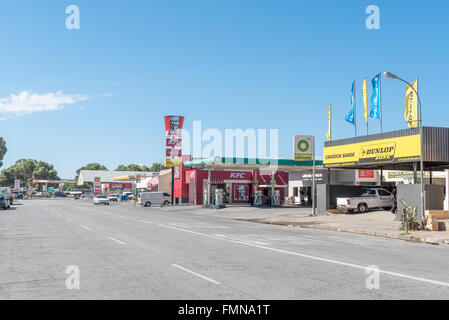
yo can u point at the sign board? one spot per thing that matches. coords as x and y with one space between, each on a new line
303 148
366 174
51 189
392 150
97 186
17 184
173 140
404 174
44 188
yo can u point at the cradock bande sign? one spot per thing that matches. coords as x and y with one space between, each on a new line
392 150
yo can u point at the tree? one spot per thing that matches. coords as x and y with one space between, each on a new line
92 166
3 150
133 167
157 167
26 170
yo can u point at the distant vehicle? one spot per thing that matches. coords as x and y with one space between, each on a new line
147 199
17 195
86 196
60 194
4 202
113 197
5 191
371 198
125 196
100 199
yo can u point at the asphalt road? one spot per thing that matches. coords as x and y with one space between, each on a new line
126 252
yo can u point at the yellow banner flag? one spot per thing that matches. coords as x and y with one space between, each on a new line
365 100
328 133
411 105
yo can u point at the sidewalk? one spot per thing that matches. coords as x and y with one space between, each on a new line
375 223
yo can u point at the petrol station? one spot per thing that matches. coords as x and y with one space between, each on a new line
222 180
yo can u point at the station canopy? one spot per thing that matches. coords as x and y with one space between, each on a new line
395 150
252 164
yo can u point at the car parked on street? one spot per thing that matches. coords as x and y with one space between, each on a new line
4 202
60 194
101 199
370 198
113 197
148 199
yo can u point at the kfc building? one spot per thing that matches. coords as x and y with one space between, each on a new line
237 185
237 182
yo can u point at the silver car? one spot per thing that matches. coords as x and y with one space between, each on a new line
100 199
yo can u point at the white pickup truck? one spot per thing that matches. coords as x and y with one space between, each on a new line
371 198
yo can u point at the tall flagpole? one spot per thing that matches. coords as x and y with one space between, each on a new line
380 101
365 86
355 110
330 122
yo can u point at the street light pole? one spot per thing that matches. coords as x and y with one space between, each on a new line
423 199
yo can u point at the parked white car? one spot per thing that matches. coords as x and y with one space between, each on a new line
372 198
148 199
100 199
113 197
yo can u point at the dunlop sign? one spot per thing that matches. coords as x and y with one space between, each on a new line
393 150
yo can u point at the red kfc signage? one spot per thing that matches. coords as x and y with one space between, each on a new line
173 125
173 142
175 153
366 174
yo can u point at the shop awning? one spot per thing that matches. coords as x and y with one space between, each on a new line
252 163
395 150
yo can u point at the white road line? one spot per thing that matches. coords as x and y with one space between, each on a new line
117 240
86 227
395 274
195 273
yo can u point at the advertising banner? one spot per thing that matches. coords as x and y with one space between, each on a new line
97 186
17 184
366 174
392 150
303 148
375 98
240 193
173 144
411 105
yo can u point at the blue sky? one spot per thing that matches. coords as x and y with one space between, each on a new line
231 64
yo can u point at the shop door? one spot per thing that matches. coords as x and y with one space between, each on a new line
192 191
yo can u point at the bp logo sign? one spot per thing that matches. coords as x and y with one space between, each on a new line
303 148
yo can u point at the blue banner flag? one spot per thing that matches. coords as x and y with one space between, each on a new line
375 99
350 116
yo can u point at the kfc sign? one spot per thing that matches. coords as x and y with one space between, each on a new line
173 125
240 193
237 175
173 140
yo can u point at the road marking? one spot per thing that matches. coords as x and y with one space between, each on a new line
117 240
70 220
86 227
195 273
346 264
